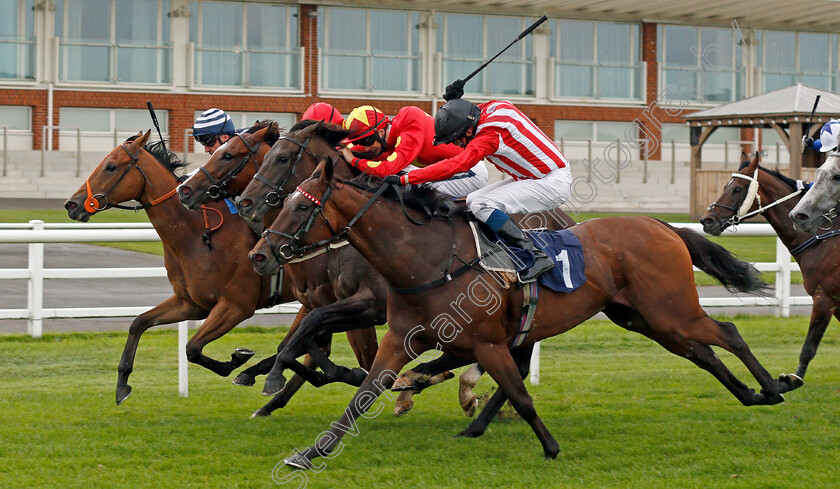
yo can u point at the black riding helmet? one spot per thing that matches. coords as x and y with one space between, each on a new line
453 119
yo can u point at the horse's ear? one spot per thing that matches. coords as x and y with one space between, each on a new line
329 169
260 134
141 138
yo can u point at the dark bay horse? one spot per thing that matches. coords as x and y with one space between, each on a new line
206 282
639 272
317 282
774 196
290 161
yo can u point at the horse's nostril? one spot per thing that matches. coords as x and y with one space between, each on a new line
69 205
801 216
258 257
246 203
184 190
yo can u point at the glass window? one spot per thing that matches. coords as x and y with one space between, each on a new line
724 134
380 53
610 132
17 40
466 41
701 64
114 41
128 121
263 54
573 130
680 133
798 57
596 59
16 118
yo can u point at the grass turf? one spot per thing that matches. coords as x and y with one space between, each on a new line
625 412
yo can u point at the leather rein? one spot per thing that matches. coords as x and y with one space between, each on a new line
92 204
216 189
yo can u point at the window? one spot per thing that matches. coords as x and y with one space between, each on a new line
127 122
114 41
679 133
16 118
599 131
17 40
798 57
466 41
245 45
369 50
596 60
701 64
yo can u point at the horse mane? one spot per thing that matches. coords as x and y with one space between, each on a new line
167 158
271 135
331 133
784 178
423 198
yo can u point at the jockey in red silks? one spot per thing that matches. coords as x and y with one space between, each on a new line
322 111
382 147
502 134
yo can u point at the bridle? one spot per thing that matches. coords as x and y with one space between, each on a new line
216 189
743 210
274 198
92 201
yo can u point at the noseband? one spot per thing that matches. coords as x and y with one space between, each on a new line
746 202
216 190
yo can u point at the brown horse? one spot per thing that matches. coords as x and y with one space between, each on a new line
639 272
774 196
315 281
205 281
291 160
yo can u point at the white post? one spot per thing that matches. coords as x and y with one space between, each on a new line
782 280
535 364
183 371
35 326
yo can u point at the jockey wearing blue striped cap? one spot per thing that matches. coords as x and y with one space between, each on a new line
212 128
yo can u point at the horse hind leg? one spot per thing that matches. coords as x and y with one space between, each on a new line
282 398
466 396
497 400
821 313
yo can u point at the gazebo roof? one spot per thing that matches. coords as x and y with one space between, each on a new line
794 102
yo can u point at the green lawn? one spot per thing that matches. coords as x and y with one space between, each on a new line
626 413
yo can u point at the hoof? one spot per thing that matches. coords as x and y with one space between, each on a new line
242 355
260 413
791 382
470 409
467 433
403 383
244 379
123 393
298 461
404 404
357 376
551 455
273 385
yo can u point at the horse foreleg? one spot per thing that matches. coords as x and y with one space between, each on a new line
248 376
821 313
284 396
222 318
479 425
390 358
498 362
467 382
172 310
354 312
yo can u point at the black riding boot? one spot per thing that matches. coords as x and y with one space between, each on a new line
514 236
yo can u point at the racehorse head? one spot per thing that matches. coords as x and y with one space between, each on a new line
122 176
290 161
819 206
738 198
228 171
293 225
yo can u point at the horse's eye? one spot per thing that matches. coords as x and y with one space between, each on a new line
303 207
738 189
110 167
227 156
836 176
282 159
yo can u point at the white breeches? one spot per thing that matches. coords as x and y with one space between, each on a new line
522 196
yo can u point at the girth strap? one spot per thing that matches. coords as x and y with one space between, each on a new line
814 240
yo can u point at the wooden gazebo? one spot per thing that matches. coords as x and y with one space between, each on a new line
787 110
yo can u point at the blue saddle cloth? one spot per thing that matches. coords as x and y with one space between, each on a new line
565 249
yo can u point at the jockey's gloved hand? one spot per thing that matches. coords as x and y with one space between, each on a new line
454 90
807 142
393 179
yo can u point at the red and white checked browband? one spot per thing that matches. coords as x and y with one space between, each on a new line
306 194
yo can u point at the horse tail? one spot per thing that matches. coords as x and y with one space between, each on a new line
736 275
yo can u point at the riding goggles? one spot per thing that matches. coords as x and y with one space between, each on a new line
206 139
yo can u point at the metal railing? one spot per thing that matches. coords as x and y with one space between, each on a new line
44 150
